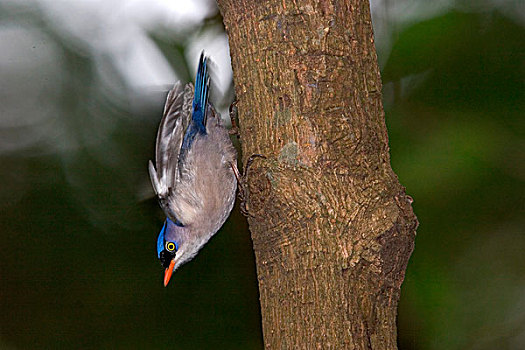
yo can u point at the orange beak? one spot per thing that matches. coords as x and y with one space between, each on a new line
168 272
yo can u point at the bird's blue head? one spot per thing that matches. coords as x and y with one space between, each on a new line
167 247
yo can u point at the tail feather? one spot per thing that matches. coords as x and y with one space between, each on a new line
200 102
200 99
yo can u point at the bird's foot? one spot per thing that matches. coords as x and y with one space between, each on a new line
242 180
233 117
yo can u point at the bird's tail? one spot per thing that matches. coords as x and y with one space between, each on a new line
200 97
200 103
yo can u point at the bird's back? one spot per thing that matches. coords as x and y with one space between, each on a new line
206 188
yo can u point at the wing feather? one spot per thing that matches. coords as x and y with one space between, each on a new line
169 139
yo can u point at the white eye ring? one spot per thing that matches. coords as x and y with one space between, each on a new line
170 246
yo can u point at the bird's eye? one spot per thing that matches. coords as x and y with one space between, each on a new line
170 247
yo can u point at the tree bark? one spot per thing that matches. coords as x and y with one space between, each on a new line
332 228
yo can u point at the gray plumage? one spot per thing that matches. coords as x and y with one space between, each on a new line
196 187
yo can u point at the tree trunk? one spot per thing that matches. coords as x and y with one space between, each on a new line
332 228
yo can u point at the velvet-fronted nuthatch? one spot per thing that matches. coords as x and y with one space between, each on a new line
195 172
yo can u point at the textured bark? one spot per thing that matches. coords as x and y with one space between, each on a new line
332 228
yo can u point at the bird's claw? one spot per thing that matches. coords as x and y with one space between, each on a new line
233 117
242 180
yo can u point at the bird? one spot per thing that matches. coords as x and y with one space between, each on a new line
195 174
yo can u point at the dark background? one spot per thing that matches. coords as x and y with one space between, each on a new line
82 86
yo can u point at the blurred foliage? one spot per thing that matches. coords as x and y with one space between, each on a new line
455 92
79 223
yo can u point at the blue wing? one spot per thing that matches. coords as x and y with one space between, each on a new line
200 103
